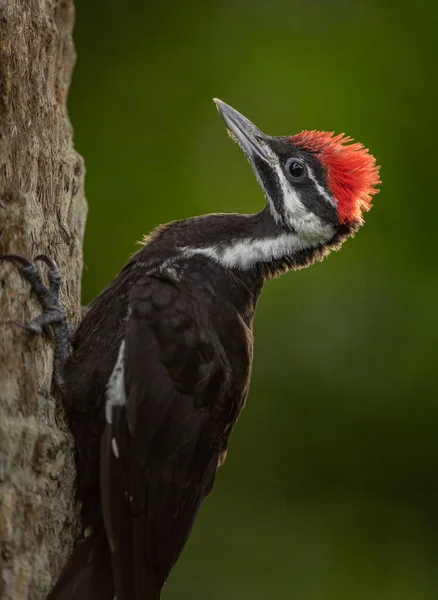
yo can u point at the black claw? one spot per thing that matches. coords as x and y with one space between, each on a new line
47 260
53 273
30 327
20 259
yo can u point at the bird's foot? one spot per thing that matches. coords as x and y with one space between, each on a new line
53 312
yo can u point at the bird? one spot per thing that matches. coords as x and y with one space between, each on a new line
159 369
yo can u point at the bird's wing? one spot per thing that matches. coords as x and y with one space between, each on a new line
161 449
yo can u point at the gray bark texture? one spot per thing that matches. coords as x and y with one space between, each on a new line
42 210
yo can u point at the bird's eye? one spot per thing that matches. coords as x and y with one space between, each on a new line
296 168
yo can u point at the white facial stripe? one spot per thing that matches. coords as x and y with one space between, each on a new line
291 198
320 188
244 254
115 394
303 220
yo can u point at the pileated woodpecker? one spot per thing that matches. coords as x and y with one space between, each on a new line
160 366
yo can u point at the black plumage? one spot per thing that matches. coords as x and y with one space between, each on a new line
187 330
160 367
187 327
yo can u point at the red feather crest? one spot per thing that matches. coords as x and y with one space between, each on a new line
352 173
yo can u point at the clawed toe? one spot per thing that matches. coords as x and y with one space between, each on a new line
48 296
47 260
53 312
17 257
32 274
53 273
30 327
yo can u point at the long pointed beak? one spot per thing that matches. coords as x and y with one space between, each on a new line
249 137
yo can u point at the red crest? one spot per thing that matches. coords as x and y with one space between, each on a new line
352 173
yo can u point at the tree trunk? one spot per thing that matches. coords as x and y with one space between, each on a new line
42 210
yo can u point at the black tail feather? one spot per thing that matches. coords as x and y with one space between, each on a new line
88 574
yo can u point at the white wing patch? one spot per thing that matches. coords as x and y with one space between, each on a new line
115 392
115 447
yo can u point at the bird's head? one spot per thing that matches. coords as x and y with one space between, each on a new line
317 184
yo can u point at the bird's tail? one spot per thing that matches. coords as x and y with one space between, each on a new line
88 574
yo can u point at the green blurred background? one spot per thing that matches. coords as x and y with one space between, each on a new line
330 489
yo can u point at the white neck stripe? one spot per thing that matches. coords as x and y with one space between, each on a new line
246 253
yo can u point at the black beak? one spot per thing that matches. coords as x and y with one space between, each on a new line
249 137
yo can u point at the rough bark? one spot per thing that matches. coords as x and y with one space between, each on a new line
42 210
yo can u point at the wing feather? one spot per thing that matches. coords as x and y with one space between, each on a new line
161 449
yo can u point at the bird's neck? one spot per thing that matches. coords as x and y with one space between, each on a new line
251 244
